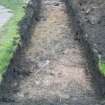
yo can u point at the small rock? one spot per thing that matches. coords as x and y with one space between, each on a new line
43 63
94 16
20 95
74 98
93 19
37 82
56 4
88 11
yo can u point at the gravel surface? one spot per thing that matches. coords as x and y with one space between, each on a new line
52 70
5 15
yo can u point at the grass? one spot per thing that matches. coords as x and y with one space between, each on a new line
102 67
9 36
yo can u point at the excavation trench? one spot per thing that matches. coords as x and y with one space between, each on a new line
52 69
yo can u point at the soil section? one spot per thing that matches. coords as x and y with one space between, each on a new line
52 69
89 20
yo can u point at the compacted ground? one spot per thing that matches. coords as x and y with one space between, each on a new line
5 15
52 69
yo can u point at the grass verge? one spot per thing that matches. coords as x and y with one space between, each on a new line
102 68
9 36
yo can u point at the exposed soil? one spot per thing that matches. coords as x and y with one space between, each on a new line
52 69
89 16
93 12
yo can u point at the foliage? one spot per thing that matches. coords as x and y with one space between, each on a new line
102 67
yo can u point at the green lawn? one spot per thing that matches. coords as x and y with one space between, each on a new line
102 67
9 36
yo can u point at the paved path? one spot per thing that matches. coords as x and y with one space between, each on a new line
52 70
5 15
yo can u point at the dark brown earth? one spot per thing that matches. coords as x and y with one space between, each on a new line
89 16
52 69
